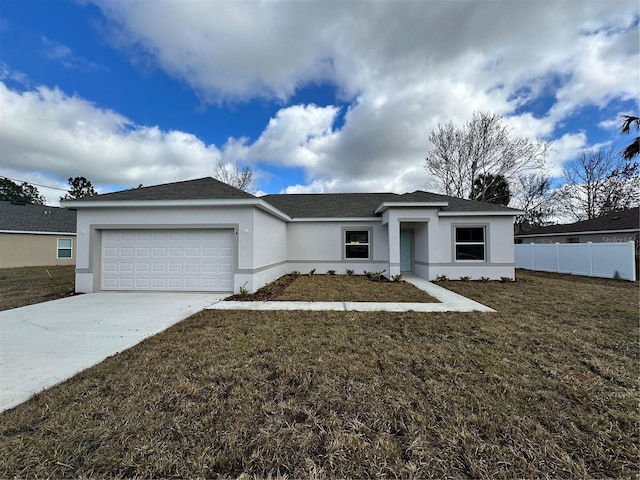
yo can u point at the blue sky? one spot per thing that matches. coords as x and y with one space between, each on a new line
313 96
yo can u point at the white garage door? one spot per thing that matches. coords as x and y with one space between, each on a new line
188 260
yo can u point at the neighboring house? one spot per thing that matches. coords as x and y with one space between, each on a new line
34 235
204 235
615 227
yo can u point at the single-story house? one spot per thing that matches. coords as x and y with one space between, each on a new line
204 235
614 227
35 235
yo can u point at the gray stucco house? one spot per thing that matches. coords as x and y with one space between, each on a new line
204 235
615 227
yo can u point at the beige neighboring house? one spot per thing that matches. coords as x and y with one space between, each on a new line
34 235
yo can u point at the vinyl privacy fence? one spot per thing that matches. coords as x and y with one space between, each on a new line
590 259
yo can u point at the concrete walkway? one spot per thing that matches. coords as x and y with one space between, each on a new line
449 302
46 343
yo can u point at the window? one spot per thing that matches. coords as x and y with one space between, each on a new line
470 243
356 244
64 247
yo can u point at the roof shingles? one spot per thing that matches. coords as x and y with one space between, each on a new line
312 205
206 188
18 217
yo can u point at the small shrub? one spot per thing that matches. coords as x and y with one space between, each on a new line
349 272
616 275
244 291
331 272
466 278
375 276
484 279
442 278
506 279
295 274
312 272
397 278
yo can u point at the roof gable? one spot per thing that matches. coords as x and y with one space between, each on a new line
454 204
20 217
206 188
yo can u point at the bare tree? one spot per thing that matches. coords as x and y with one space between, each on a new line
597 183
483 146
535 198
236 176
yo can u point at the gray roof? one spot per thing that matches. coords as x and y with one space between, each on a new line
626 220
312 205
36 218
328 205
206 188
345 205
455 204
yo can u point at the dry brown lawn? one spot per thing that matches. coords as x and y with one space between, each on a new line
28 285
545 388
350 288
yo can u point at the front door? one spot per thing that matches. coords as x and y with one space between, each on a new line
406 251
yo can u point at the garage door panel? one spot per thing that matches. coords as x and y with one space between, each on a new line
158 268
142 267
190 260
109 267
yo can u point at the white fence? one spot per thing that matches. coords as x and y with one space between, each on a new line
590 259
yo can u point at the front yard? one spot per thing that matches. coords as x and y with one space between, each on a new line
338 288
28 285
546 387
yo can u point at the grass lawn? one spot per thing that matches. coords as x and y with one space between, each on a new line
546 387
350 288
28 285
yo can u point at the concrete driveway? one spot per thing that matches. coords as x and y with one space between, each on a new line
44 344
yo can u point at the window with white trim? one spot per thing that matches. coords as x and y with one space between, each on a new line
65 246
356 244
470 243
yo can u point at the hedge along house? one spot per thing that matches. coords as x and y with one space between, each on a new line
204 235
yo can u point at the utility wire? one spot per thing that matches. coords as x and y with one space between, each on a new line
37 184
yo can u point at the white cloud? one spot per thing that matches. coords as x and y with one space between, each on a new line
404 67
63 54
46 130
287 138
564 149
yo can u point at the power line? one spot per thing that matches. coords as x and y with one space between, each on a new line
37 184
